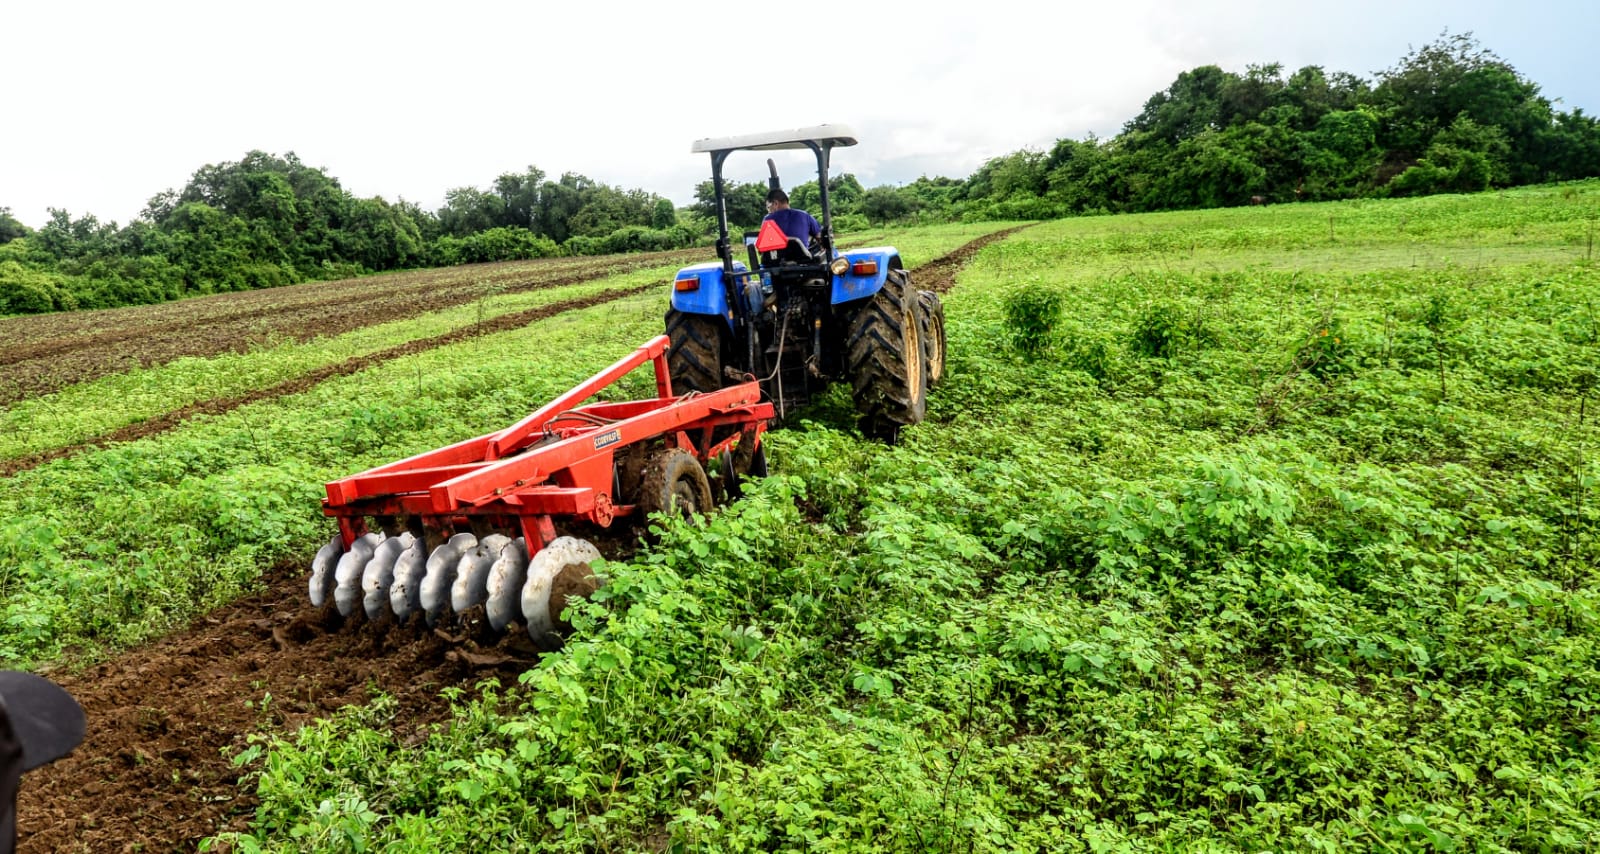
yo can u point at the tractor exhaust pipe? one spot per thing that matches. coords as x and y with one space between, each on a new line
773 183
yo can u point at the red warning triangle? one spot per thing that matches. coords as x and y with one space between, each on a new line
771 237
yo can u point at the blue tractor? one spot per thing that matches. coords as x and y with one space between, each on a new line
798 315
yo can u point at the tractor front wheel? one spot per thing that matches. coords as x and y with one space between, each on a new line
887 365
932 334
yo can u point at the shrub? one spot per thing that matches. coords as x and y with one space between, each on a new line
1031 317
25 291
1326 352
496 244
1164 330
632 238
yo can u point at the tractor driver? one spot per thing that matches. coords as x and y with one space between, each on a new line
795 223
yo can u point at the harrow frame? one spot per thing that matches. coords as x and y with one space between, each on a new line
559 462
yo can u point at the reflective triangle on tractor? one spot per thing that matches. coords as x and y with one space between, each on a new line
771 237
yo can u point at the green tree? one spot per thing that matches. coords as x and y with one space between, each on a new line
1193 103
468 210
1432 85
10 228
1244 99
888 204
1342 155
664 215
65 238
1570 147
844 195
746 203
379 236
519 198
1465 157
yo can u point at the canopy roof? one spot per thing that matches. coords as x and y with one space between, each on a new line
831 136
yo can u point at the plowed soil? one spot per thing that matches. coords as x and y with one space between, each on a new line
155 772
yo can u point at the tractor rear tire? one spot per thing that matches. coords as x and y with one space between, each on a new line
886 362
932 334
695 358
676 484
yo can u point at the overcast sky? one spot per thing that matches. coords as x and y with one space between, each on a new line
108 103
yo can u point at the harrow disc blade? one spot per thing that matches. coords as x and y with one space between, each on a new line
378 577
322 571
504 588
559 571
347 575
441 574
405 591
472 574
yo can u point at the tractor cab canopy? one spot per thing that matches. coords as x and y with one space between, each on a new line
820 139
823 136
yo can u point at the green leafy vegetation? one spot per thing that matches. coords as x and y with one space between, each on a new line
1288 541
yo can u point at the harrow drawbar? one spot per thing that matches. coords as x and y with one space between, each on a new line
480 522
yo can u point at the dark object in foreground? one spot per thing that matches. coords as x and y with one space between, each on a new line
39 723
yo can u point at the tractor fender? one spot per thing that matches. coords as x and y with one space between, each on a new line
709 297
853 287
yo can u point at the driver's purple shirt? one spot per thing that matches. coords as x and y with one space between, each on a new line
796 223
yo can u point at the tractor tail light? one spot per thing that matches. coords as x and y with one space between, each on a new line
864 268
687 284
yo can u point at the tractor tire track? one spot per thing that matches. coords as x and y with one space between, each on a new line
939 275
155 772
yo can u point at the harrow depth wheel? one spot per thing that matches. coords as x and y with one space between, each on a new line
676 484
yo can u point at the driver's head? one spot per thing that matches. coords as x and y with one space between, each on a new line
39 723
777 199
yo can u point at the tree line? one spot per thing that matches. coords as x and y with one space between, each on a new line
269 220
1449 116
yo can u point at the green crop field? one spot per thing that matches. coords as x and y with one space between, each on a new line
1255 529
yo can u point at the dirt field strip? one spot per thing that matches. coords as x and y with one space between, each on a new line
939 275
155 772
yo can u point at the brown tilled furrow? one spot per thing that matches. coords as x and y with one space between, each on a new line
939 275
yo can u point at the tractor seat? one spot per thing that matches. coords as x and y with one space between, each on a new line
794 253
